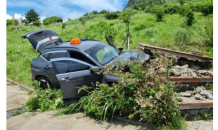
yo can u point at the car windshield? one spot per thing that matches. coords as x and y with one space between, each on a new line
102 53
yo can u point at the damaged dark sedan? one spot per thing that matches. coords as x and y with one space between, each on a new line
70 65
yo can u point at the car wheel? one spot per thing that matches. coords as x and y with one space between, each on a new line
44 82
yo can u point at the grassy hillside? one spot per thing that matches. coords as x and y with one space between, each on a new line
143 29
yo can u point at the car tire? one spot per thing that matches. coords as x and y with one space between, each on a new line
44 82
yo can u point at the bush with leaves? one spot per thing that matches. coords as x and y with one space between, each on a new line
190 18
52 19
140 95
111 33
181 2
206 7
45 99
159 13
9 22
103 12
37 23
171 9
95 12
182 10
207 33
112 15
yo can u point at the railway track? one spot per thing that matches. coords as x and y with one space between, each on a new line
186 80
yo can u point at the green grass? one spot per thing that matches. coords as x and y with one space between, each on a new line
20 52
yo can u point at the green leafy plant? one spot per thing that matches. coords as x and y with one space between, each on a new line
182 38
112 15
45 99
111 33
207 33
52 19
181 2
206 7
159 13
37 23
141 95
190 18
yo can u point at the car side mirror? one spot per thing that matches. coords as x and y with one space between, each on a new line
95 68
120 48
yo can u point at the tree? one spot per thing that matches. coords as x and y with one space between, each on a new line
31 16
126 17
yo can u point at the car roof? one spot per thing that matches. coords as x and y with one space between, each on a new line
84 45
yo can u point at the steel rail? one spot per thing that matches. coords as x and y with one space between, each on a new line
191 80
176 53
201 105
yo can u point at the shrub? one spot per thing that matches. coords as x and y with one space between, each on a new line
113 15
9 22
111 33
206 7
159 13
141 95
182 38
207 34
181 2
95 12
171 9
182 10
137 28
52 19
103 12
45 99
37 23
190 18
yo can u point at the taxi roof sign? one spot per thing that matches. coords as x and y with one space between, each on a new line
75 40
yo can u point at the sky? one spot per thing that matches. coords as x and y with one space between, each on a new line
62 8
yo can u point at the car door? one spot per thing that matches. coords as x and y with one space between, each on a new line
42 39
73 74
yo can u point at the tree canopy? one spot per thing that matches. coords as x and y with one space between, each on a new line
52 19
32 16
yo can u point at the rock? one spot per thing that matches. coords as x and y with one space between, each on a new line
184 66
196 53
210 91
198 97
198 89
193 112
184 75
195 67
206 94
175 72
202 111
161 70
202 72
186 94
192 92
193 74
209 73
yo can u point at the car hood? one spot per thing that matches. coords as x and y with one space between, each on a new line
126 56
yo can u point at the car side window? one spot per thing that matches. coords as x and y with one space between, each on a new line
54 55
79 56
65 66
